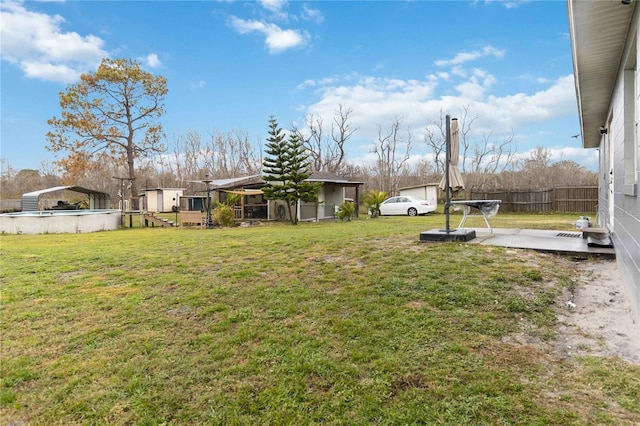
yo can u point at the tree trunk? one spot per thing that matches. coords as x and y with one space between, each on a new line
134 203
293 216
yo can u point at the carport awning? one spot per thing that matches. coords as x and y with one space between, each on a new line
97 200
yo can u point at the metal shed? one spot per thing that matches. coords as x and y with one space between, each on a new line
428 191
97 200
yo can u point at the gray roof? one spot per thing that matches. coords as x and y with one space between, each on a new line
258 180
598 32
236 182
98 200
327 177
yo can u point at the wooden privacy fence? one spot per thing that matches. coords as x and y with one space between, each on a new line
567 199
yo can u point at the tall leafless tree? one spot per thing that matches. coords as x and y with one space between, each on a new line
327 153
393 151
232 155
481 158
435 138
225 155
186 158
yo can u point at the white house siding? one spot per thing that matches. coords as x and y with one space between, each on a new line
625 224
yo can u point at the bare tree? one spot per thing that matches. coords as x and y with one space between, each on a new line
489 157
481 159
238 156
489 160
313 141
422 172
464 128
534 170
327 154
539 172
230 155
391 164
14 182
435 138
341 132
225 155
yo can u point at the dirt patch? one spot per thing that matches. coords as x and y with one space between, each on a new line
597 318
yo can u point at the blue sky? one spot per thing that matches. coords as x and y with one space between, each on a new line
230 65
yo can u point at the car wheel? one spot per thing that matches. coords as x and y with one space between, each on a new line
412 212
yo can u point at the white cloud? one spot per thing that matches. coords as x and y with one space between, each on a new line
42 49
198 85
305 84
376 101
475 88
309 14
463 57
153 61
509 4
274 6
276 39
276 9
521 108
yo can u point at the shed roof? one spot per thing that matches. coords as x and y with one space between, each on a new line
97 199
419 186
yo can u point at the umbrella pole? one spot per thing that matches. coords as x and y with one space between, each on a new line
447 191
447 234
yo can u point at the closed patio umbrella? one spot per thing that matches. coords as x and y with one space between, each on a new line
451 182
456 183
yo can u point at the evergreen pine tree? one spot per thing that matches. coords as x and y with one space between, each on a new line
286 168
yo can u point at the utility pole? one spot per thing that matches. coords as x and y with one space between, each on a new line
207 181
121 194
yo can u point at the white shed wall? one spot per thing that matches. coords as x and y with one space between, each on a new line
428 192
162 200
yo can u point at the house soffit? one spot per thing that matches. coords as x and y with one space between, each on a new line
598 32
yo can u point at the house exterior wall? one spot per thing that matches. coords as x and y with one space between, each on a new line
619 174
332 193
330 197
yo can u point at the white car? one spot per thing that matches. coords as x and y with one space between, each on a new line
406 205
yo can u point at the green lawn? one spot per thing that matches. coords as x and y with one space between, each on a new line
325 323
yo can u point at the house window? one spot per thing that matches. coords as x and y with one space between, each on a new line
631 119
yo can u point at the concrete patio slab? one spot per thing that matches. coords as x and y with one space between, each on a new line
566 242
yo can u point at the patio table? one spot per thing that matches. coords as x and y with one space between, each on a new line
486 209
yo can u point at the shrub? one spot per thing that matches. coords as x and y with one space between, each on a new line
223 216
346 211
373 200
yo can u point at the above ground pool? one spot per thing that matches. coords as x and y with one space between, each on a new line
59 221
